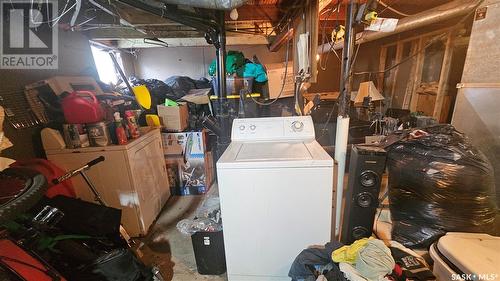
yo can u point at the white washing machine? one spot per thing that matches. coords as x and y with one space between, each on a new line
275 185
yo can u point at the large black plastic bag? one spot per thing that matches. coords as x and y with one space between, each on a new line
180 85
438 183
158 89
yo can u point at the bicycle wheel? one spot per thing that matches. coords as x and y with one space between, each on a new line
20 189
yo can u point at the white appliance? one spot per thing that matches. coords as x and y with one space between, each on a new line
275 185
466 256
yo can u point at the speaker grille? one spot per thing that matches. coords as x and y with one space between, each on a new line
369 178
364 200
359 232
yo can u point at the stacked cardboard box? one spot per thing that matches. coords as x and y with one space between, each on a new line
174 118
189 162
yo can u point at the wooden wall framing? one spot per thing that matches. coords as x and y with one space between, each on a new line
431 100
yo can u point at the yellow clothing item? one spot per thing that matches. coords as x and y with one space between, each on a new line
349 253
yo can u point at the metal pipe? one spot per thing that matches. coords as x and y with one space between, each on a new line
208 4
342 130
344 98
221 81
172 13
441 13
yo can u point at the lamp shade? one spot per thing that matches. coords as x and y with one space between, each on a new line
367 89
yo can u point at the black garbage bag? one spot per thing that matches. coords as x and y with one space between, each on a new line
158 89
438 183
202 83
181 85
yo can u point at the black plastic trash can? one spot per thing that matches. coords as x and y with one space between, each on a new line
209 252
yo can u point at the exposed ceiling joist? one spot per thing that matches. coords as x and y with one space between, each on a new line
192 42
434 15
323 4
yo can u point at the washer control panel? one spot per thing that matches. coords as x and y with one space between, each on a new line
274 128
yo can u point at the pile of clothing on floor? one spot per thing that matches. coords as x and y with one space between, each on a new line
365 259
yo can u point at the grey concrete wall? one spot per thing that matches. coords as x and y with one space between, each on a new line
161 63
75 58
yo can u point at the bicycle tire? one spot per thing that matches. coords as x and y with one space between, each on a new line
35 186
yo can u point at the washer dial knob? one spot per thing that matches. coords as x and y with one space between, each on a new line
297 126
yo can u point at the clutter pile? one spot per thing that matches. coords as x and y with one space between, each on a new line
365 259
189 161
207 218
438 183
206 236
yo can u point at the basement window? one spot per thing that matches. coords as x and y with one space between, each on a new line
105 67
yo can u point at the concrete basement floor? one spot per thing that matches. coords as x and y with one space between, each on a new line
166 247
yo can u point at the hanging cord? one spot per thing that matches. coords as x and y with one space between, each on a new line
432 41
332 43
284 78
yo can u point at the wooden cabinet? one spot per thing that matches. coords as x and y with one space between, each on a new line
133 178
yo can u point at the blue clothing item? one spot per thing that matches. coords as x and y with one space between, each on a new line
256 71
316 258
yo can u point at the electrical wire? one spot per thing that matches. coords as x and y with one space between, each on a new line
323 42
52 21
387 7
431 42
403 61
284 78
76 13
357 50
332 44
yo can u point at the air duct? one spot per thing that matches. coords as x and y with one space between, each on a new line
208 4
437 14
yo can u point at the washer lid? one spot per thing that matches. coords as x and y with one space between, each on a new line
279 151
472 253
274 154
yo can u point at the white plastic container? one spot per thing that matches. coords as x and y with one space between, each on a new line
466 256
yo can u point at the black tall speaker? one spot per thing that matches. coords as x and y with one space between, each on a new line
366 167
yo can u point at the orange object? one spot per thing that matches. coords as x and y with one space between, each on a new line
50 171
24 264
132 124
121 135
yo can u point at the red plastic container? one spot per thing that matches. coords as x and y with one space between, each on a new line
82 107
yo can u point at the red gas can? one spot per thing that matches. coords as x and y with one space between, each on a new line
82 107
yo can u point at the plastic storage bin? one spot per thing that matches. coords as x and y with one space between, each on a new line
209 252
466 256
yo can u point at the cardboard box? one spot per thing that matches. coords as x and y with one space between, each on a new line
193 172
174 118
275 76
173 143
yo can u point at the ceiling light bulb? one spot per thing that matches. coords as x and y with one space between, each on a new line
233 14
